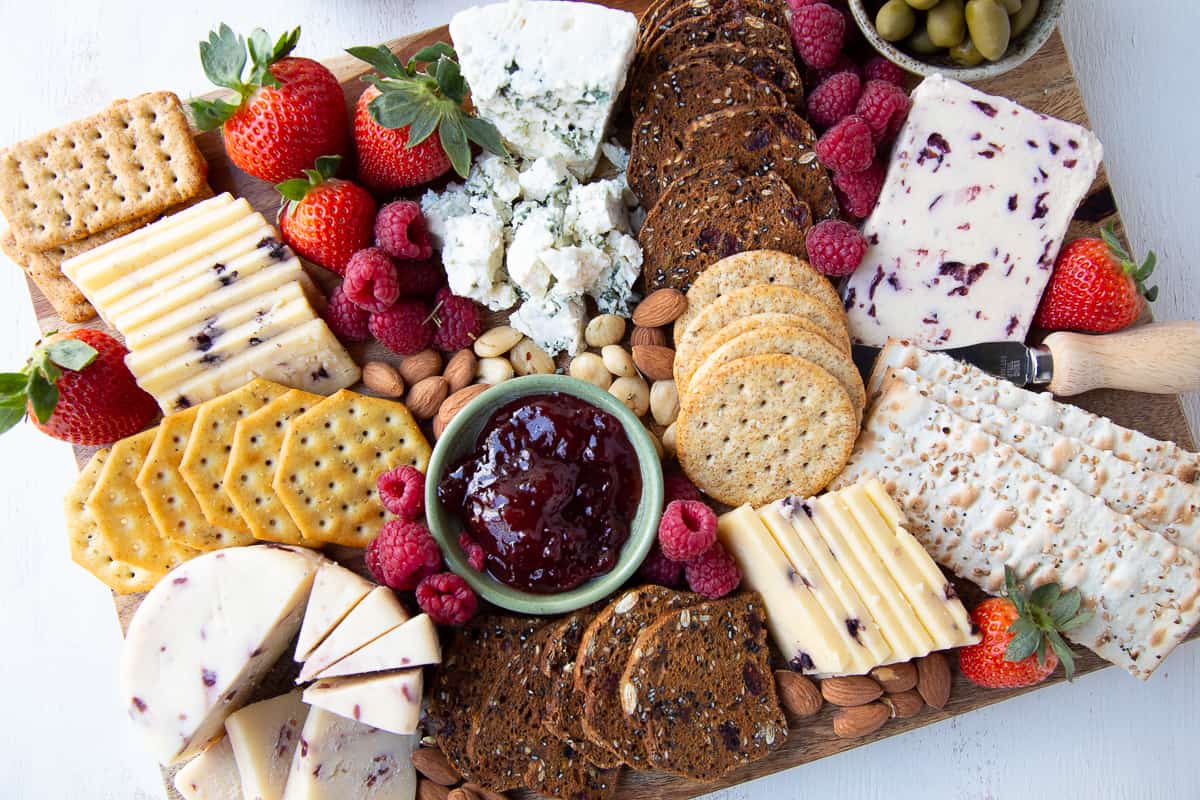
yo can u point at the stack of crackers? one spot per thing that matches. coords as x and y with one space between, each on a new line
74 188
262 463
770 396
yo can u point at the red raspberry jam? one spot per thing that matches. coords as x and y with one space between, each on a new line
549 492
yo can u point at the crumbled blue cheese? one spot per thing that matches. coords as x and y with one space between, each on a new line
473 252
613 291
594 209
544 179
576 269
555 321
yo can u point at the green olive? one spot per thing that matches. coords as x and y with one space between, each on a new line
895 20
946 23
921 44
989 27
1011 6
1024 18
964 54
922 5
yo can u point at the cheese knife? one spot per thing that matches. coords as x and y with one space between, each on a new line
1158 358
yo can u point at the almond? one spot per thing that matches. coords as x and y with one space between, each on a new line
896 678
433 764
428 790
851 690
904 704
419 366
460 370
454 404
382 379
851 723
483 792
426 396
656 363
652 336
660 307
463 793
933 679
799 695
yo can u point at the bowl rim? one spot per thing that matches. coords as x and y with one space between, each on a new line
445 528
1033 40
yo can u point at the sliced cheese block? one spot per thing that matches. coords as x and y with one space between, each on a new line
345 759
204 636
335 593
264 737
807 637
390 702
413 644
212 775
377 613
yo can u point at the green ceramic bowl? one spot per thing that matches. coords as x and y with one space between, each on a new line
460 437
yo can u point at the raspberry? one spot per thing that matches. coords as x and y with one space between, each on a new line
835 248
847 146
420 278
660 570
818 31
884 106
880 69
858 191
401 231
402 491
679 487
687 529
459 321
714 574
402 554
404 328
447 599
843 64
473 550
347 321
371 282
834 99
795 5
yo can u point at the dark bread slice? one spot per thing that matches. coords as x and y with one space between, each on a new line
712 212
558 771
603 652
760 140
564 703
766 65
673 100
734 25
663 16
699 683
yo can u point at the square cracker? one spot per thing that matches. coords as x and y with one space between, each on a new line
207 455
331 457
254 461
169 499
134 159
121 515
88 548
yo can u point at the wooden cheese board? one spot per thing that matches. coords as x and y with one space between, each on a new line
1046 83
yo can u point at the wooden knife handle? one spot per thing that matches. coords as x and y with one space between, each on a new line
1159 358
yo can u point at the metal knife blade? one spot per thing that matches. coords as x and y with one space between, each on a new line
1013 361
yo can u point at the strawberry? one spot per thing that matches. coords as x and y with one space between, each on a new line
410 126
289 112
1016 631
1096 287
325 219
76 387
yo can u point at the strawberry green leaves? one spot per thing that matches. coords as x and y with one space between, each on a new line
223 57
34 387
1042 617
1139 272
296 189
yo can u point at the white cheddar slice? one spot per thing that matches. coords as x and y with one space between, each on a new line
212 775
390 702
809 639
413 644
346 760
204 636
336 591
379 612
264 736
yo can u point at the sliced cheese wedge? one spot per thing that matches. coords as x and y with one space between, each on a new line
347 759
336 591
413 644
212 775
390 702
264 736
377 613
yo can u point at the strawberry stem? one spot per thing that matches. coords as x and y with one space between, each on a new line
1041 616
1138 272
223 57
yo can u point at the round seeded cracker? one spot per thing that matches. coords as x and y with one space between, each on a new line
764 427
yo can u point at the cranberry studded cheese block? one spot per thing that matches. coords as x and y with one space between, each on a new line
264 736
388 701
343 759
377 613
336 592
412 644
204 636
977 200
212 774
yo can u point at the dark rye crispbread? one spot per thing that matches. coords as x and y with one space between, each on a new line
699 683
714 211
605 648
759 140
663 16
766 65
730 25
676 98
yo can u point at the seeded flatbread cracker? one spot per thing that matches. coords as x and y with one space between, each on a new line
752 268
763 427
254 461
207 454
134 159
88 548
331 457
684 370
122 518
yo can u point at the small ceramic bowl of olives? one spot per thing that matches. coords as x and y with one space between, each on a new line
969 40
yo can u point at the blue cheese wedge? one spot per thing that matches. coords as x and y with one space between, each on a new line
264 736
345 759
546 74
977 200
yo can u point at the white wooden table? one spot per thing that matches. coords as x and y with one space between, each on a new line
65 731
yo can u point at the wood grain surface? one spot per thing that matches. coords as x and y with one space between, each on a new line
1045 83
